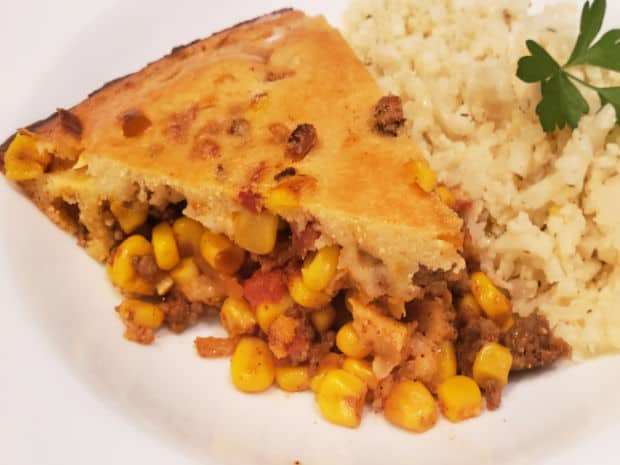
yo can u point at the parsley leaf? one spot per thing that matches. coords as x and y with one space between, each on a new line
606 52
591 24
562 103
538 66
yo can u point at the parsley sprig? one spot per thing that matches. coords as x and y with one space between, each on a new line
562 103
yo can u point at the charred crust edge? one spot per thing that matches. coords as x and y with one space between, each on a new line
179 48
111 83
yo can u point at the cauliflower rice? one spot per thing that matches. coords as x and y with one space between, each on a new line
545 213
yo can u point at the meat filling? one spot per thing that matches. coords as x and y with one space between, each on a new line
301 141
532 343
146 267
389 115
299 312
180 313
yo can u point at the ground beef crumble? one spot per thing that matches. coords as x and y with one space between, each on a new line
302 242
139 334
282 254
422 361
389 116
532 343
301 141
291 336
281 335
180 313
299 349
146 267
492 393
319 349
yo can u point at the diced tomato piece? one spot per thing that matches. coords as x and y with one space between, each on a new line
265 287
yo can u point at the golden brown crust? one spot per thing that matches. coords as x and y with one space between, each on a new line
179 48
282 70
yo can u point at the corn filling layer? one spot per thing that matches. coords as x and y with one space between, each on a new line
295 324
295 320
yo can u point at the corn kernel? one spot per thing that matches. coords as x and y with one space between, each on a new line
220 253
362 369
141 313
267 312
323 318
341 398
467 305
164 285
130 216
493 302
188 233
165 247
236 317
304 296
252 366
420 172
293 379
22 160
255 232
446 363
411 406
330 361
350 343
459 398
321 269
41 156
281 199
21 170
446 196
185 272
492 363
122 273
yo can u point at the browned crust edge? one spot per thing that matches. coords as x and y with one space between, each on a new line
175 50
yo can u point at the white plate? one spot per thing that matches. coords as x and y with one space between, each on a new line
72 391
